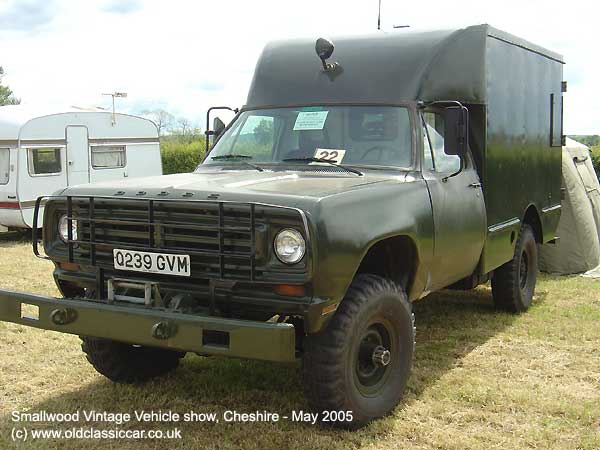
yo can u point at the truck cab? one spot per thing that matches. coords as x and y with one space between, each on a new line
361 175
337 152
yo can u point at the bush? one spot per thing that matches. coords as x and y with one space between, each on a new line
181 157
595 151
590 140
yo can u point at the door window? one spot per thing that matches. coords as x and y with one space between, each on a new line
108 156
435 159
4 165
44 161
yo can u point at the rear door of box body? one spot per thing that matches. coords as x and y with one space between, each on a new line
522 161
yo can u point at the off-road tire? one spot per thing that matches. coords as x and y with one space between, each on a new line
331 358
125 363
513 283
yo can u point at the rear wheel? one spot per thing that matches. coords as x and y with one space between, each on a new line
357 368
513 283
126 363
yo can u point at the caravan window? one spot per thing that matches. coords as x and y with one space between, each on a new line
4 165
108 156
44 161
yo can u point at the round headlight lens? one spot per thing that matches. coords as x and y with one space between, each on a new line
289 246
63 229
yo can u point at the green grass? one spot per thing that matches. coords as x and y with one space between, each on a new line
481 379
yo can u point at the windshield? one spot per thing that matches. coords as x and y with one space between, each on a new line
348 135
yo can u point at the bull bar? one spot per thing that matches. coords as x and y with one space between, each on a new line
207 335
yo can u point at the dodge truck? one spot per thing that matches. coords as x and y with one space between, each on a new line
361 175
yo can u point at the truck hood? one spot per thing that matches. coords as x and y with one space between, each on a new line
280 187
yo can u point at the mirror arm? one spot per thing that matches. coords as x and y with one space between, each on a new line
460 169
422 104
208 132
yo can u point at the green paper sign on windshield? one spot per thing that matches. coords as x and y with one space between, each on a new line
310 120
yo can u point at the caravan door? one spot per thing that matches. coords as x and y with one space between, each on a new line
78 154
9 204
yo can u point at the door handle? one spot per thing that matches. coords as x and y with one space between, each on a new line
475 185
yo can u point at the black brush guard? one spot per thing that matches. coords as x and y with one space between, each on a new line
222 227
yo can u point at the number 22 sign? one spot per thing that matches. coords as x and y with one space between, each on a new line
330 154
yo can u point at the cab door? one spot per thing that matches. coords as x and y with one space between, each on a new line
78 154
457 203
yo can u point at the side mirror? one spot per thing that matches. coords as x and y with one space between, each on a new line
218 127
456 133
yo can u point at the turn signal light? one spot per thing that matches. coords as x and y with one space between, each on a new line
68 266
290 290
329 309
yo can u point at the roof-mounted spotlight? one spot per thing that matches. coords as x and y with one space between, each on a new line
324 48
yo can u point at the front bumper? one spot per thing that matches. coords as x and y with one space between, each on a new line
140 325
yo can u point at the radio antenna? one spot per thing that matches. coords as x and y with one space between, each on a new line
379 16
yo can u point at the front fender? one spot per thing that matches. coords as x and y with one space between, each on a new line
346 225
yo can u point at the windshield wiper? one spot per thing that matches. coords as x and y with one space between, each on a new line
323 160
230 156
236 156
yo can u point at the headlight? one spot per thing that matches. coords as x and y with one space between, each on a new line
289 246
63 229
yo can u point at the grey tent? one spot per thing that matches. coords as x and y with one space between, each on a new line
578 249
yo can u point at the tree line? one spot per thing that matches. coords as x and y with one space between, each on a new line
591 140
6 93
172 128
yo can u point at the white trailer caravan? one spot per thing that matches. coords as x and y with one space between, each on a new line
43 153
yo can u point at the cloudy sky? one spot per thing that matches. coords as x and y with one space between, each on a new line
184 56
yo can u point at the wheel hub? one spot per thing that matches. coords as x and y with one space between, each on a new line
381 356
523 270
373 358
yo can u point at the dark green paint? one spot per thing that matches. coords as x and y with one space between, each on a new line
521 167
257 340
456 229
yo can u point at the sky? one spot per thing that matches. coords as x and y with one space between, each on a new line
184 56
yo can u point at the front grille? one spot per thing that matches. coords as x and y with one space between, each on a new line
225 240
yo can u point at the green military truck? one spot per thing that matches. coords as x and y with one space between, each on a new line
353 182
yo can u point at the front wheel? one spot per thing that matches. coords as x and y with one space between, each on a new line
357 368
513 283
126 363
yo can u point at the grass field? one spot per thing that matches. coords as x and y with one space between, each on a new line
481 380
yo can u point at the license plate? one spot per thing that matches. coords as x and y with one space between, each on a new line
161 263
